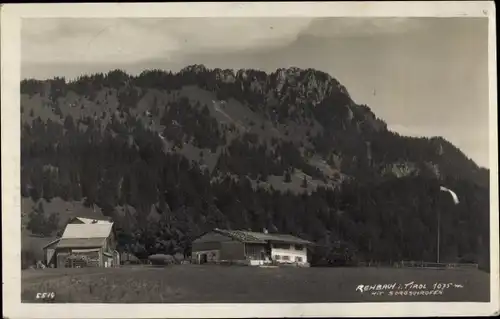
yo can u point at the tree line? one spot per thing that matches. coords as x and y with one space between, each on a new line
168 200
174 200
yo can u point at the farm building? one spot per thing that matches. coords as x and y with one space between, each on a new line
49 252
84 243
250 248
83 220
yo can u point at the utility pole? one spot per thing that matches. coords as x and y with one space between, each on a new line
456 202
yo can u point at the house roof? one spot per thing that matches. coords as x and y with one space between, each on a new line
87 230
81 242
261 238
92 220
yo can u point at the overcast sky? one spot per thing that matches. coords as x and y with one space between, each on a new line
424 77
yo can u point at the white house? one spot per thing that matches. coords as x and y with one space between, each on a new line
289 253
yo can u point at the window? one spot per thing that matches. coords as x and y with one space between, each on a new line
298 259
299 247
277 257
286 257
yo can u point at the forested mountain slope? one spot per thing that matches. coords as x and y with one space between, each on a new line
170 155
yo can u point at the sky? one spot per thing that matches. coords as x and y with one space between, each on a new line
422 76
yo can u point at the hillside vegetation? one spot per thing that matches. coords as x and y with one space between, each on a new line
171 155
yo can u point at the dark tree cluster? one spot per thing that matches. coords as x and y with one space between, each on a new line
248 156
392 220
160 200
39 224
192 124
128 99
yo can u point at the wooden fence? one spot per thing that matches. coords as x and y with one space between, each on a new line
431 265
419 264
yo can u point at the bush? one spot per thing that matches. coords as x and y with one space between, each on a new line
178 258
27 258
39 224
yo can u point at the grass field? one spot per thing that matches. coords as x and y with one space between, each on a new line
202 284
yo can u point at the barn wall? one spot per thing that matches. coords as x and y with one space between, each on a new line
49 254
255 251
63 253
232 250
112 241
210 255
101 257
61 256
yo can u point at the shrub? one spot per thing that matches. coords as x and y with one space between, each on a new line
178 258
39 224
27 258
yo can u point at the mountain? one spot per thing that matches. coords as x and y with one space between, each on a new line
170 155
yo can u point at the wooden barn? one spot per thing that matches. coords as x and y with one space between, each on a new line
251 248
83 220
49 251
84 243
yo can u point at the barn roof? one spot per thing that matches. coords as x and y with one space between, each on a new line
92 220
81 242
261 238
87 230
55 241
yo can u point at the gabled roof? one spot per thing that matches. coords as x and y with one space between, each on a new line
87 230
55 241
81 242
261 238
85 220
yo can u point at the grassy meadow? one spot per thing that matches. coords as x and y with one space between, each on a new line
237 284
